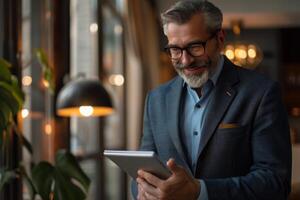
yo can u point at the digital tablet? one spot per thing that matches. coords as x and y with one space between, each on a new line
132 161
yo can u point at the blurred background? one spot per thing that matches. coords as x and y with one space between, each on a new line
120 43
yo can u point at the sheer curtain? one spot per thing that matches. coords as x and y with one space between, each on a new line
143 63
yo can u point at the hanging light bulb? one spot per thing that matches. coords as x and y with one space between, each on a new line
229 52
242 53
252 51
86 111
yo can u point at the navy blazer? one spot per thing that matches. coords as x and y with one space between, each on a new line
245 150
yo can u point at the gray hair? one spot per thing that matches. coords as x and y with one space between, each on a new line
184 10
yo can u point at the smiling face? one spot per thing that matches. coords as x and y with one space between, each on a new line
195 70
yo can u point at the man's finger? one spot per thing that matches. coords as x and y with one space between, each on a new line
153 180
174 168
150 197
147 188
141 193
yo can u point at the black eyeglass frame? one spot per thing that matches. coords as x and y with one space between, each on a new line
189 46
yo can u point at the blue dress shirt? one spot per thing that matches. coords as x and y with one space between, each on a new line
194 112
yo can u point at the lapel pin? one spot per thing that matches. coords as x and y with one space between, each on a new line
228 93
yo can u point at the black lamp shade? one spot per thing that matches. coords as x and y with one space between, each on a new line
83 92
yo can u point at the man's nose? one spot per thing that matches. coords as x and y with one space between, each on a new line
186 58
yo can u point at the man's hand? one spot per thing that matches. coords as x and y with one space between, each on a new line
180 185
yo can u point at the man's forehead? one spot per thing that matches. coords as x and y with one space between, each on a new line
185 33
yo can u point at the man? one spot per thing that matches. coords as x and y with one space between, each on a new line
222 130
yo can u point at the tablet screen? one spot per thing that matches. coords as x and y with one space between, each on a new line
132 161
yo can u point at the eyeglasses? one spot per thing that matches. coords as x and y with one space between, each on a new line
195 49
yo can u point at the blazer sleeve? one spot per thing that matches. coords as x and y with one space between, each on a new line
269 176
147 141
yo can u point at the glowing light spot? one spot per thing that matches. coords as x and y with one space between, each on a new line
48 129
116 79
86 111
24 113
230 54
118 29
94 28
45 83
240 53
251 53
26 80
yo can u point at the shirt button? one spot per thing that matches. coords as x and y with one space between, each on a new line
198 105
195 133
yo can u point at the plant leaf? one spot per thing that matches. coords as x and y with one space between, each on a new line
65 189
14 95
45 176
67 164
5 74
48 74
6 176
17 89
4 63
4 119
25 142
28 181
6 97
42 57
1 135
42 178
5 114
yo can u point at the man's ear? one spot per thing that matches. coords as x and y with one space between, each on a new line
221 38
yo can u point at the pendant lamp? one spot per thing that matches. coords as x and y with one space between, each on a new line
85 98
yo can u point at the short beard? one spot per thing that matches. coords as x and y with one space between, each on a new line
194 81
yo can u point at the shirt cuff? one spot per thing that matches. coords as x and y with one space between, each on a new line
203 191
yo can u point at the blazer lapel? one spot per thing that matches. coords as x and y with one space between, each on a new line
173 101
222 96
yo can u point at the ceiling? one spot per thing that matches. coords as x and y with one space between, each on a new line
255 13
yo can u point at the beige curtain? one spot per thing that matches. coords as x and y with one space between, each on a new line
142 49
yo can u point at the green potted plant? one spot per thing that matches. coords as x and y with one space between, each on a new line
60 181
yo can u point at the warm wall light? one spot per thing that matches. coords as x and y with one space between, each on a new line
48 128
24 113
242 53
94 28
116 79
26 80
46 84
118 29
85 98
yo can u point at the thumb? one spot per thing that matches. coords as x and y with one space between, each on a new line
174 168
